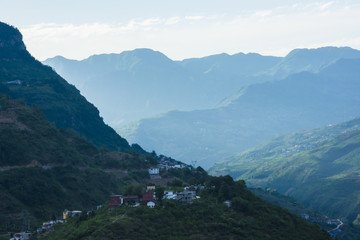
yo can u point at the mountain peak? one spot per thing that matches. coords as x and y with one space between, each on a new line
329 51
311 60
11 43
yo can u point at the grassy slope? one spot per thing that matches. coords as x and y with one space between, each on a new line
320 168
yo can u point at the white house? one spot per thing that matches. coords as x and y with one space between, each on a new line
150 204
154 171
169 195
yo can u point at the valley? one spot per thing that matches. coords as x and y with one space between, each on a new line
268 129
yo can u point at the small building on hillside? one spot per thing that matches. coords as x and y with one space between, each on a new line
131 200
150 188
148 196
115 201
21 236
186 196
154 171
150 204
67 213
170 195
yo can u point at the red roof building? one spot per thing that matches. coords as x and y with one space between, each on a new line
115 201
148 196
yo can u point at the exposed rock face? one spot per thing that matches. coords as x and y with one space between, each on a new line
11 43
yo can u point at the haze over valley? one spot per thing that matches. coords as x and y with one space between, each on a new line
179 120
232 102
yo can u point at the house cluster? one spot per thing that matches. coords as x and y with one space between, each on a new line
148 198
167 163
48 226
185 196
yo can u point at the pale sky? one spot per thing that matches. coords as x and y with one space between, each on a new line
181 29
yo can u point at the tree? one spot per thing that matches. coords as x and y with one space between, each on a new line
177 182
159 193
193 181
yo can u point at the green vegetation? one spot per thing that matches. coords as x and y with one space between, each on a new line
44 170
350 232
319 168
274 197
206 218
22 77
35 194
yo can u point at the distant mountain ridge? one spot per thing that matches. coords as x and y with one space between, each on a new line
159 83
311 60
257 113
214 98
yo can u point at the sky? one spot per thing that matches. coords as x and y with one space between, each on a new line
182 29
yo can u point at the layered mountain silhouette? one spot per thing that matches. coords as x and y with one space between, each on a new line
222 104
256 113
142 83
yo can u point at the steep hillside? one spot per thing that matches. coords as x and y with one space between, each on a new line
22 77
320 168
159 84
257 113
281 146
44 170
248 217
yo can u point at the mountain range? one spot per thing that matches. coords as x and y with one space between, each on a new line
223 104
57 152
142 83
256 113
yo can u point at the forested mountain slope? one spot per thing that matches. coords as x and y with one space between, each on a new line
319 168
23 77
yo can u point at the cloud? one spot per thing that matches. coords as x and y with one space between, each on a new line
263 13
194 18
273 31
172 20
